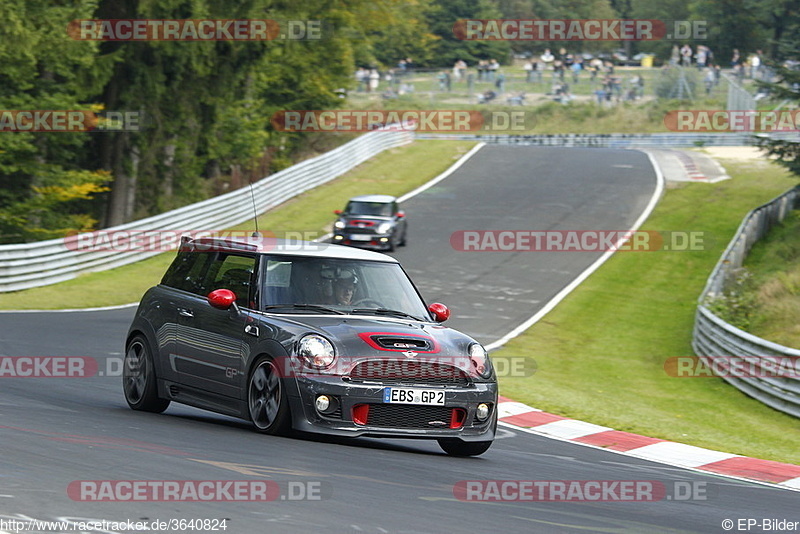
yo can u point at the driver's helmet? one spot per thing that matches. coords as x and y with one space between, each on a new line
340 275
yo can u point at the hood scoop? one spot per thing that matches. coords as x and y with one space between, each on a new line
402 343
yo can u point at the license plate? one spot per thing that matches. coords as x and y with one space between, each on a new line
434 397
360 237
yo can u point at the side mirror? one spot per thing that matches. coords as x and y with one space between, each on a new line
222 299
440 312
337 212
401 214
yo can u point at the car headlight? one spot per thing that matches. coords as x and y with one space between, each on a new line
384 228
315 351
480 360
338 224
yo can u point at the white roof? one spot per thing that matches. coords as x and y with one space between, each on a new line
291 247
384 199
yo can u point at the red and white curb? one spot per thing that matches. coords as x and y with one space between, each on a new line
654 449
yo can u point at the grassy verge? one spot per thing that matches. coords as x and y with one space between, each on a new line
775 264
601 352
393 172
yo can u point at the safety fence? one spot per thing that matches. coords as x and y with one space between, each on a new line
28 265
764 370
653 140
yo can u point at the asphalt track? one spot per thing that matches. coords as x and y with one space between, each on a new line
57 431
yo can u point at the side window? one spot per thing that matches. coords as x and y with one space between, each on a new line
186 271
230 271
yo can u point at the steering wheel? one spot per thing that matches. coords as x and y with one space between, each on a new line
368 302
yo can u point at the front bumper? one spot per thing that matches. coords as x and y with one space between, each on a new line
351 394
376 242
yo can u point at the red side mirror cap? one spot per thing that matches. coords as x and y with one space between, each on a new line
401 214
440 312
337 212
221 298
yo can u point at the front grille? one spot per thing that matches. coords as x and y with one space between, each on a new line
409 372
409 416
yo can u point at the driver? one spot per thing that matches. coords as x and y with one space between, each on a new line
344 287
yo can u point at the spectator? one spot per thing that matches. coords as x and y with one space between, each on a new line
361 78
528 71
493 66
701 56
755 65
374 80
709 80
500 83
577 66
675 56
686 55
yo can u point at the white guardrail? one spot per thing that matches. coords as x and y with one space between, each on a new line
28 265
764 370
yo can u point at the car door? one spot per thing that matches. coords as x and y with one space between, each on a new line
209 350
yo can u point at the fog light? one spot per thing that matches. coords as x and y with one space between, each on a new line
323 403
384 239
482 412
338 237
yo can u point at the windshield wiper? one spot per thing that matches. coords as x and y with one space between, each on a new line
386 311
309 307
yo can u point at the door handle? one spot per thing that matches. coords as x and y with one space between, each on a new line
183 312
252 330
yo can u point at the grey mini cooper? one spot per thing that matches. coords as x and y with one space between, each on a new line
309 337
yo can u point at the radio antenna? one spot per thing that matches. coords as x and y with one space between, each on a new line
255 212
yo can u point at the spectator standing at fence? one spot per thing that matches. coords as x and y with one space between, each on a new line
708 80
528 71
577 67
500 83
547 58
700 57
361 78
493 66
675 55
374 80
686 55
481 69
755 65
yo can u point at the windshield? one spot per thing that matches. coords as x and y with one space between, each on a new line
381 209
302 283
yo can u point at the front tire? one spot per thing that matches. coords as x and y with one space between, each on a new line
267 400
139 378
456 447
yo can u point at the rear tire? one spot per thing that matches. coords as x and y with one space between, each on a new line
267 400
139 378
456 447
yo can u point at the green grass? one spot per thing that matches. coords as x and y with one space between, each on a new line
775 264
601 352
393 172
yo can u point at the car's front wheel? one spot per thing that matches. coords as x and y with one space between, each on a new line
139 378
456 447
267 400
